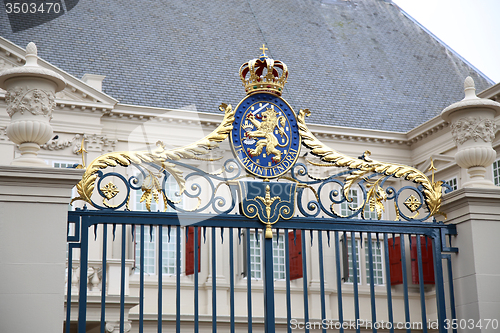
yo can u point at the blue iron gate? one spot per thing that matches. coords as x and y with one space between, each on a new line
230 231
265 266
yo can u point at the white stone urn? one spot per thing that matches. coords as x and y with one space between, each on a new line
30 102
472 122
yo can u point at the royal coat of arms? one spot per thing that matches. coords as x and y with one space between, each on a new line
265 134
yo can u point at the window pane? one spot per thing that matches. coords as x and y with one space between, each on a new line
378 273
351 271
169 250
149 250
255 257
279 257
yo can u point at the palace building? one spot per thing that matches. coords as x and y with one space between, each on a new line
301 141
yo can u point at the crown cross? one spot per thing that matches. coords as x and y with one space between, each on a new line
264 49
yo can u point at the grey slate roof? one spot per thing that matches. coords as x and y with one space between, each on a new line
352 63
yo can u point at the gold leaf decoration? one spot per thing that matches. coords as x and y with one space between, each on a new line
365 165
110 190
160 157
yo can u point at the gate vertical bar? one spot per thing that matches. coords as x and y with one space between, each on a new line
405 279
160 277
231 278
103 272
438 275
388 282
196 260
249 282
69 286
122 280
141 283
372 282
321 277
214 283
287 269
269 315
84 258
355 277
451 289
178 280
421 284
339 282
304 279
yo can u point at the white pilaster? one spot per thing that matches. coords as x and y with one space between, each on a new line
34 208
476 268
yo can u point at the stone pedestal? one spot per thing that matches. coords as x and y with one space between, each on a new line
476 268
34 210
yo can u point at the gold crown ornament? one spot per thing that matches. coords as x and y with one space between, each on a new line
264 75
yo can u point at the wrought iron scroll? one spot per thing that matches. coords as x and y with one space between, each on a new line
364 167
315 197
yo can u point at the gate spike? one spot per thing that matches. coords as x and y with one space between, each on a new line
204 235
151 233
311 232
257 235
222 235
328 236
114 230
168 233
409 240
95 231
360 239
426 245
239 236
277 236
378 240
132 230
187 234
393 241
294 236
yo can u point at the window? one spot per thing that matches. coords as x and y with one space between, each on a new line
279 258
257 252
255 256
149 249
453 183
62 164
169 250
363 253
496 172
346 208
378 272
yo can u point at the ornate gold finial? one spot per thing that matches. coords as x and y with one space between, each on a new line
264 49
268 201
432 168
264 74
81 151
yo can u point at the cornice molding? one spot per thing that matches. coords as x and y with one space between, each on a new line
76 85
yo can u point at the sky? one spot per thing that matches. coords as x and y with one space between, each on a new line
470 27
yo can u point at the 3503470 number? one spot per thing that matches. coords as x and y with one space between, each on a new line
471 323
32 8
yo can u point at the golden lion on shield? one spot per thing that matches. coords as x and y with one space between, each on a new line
265 130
